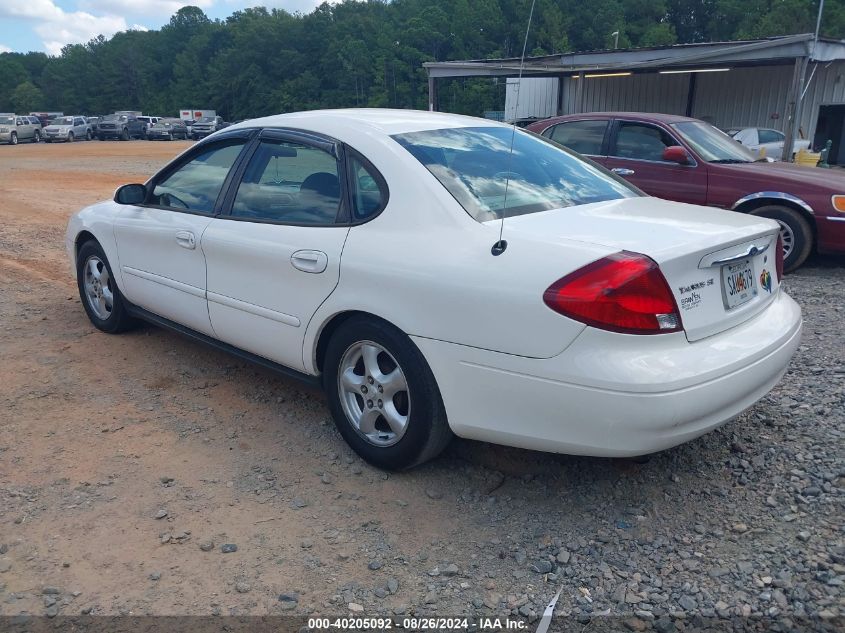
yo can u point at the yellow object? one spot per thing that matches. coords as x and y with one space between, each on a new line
838 203
808 159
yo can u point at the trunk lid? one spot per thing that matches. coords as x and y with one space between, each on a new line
719 264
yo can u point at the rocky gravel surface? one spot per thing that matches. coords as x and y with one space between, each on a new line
146 475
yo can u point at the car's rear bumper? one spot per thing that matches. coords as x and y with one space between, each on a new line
613 394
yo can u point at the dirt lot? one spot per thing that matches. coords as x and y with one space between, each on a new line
100 435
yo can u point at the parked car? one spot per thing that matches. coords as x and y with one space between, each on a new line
611 323
688 160
765 142
68 128
149 122
44 118
94 122
168 129
15 128
120 126
207 125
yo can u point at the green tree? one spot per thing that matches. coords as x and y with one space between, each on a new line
26 97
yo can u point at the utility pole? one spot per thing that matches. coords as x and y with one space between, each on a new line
799 89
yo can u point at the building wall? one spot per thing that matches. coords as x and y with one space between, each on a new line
741 96
537 97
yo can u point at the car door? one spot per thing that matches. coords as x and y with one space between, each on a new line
79 129
276 256
161 262
25 129
586 136
636 154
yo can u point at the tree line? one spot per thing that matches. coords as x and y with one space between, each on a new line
364 52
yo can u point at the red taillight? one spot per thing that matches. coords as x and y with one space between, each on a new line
625 292
779 258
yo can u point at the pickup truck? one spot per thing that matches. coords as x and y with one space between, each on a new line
207 125
120 126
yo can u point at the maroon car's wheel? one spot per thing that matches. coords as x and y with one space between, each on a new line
795 233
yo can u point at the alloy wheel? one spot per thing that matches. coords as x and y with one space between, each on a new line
374 393
97 283
787 237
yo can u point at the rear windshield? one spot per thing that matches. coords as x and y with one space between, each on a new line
477 167
7 120
114 117
68 120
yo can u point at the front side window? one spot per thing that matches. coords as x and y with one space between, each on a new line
195 185
291 183
641 142
476 165
584 137
711 144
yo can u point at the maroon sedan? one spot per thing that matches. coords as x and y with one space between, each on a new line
688 160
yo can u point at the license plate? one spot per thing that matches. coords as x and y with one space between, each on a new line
738 283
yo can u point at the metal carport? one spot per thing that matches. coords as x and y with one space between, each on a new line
789 71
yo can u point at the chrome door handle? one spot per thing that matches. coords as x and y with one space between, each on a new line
186 239
622 171
310 261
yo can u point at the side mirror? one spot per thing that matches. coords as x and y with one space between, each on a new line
677 154
130 194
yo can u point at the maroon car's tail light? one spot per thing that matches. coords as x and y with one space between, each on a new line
625 292
779 258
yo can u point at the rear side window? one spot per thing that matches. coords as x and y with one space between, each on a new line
584 137
642 142
770 136
290 183
369 192
195 185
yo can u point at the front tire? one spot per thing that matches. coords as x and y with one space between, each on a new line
13 138
70 137
382 395
36 137
795 232
88 135
124 135
101 298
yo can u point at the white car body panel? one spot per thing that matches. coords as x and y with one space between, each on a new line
160 270
257 299
607 395
510 369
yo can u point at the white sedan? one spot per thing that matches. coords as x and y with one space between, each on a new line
359 249
765 142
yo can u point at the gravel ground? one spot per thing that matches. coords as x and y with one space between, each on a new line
144 474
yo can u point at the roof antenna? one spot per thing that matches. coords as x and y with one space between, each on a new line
500 246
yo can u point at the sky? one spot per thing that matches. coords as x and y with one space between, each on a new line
48 25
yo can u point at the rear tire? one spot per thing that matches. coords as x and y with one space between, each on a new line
101 298
379 359
88 135
796 233
36 138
